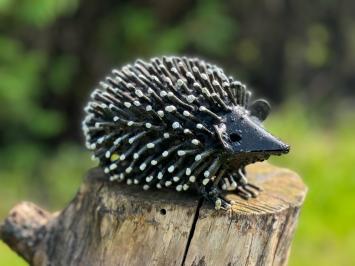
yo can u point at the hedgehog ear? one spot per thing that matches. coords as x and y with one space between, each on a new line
260 109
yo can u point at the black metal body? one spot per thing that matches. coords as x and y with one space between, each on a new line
178 122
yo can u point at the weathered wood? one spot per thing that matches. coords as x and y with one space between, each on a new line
117 224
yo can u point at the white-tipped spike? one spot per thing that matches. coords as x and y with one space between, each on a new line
100 140
148 125
168 183
87 144
116 118
142 166
107 154
135 181
129 181
185 187
127 104
128 170
176 178
121 176
106 170
137 103
86 130
186 113
165 153
195 141
148 108
218 204
145 187
225 84
176 125
224 186
234 185
199 126
135 156
131 140
154 162
93 146
242 179
205 181
158 186
205 91
166 135
122 157
130 123
114 177
188 171
150 145
139 93
161 113
180 82
190 98
178 188
181 152
204 76
181 64
204 109
192 178
187 131
160 175
87 110
189 74
163 93
171 169
170 108
206 174
118 140
198 157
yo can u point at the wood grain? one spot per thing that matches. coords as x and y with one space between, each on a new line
108 224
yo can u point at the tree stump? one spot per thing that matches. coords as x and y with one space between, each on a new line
117 224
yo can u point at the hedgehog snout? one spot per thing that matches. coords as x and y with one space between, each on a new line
247 138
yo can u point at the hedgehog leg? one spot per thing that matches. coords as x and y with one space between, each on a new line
213 195
245 189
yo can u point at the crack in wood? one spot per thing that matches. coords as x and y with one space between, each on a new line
192 230
114 224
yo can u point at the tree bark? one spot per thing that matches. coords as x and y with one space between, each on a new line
117 224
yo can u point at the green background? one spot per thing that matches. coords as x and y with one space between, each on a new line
298 54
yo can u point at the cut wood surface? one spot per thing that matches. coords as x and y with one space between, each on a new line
117 224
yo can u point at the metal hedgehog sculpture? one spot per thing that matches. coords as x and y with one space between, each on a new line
178 122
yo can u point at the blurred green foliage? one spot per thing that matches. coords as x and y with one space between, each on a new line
298 52
324 157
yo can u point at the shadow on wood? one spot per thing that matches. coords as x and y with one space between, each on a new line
117 224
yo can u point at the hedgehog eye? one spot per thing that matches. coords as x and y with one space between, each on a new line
235 137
